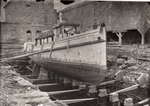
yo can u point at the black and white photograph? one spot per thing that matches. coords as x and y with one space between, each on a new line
74 53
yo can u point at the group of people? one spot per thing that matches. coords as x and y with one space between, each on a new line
29 44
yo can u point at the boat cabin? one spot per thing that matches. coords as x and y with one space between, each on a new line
64 30
44 37
60 31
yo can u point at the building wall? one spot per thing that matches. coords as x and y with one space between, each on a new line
118 16
22 16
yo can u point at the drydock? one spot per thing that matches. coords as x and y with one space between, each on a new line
125 82
64 91
80 54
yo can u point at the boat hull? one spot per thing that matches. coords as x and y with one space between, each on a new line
90 73
81 57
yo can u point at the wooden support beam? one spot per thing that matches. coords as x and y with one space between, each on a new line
114 98
143 39
51 84
42 81
103 97
23 55
29 68
64 91
143 101
36 70
107 82
114 95
70 101
133 87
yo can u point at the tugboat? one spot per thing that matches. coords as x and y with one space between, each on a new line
67 52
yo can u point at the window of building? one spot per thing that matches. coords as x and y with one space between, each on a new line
5 0
40 0
66 2
28 31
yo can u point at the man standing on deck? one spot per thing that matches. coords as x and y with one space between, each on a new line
28 45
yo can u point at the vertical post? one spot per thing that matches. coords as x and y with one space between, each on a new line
33 68
40 41
36 41
92 90
102 34
114 98
36 70
143 40
103 97
51 50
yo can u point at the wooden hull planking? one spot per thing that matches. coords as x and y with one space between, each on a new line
81 57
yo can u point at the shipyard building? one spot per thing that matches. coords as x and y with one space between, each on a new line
18 18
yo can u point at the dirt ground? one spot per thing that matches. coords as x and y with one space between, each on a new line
132 61
16 91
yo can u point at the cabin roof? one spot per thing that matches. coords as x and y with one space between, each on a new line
46 36
65 24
